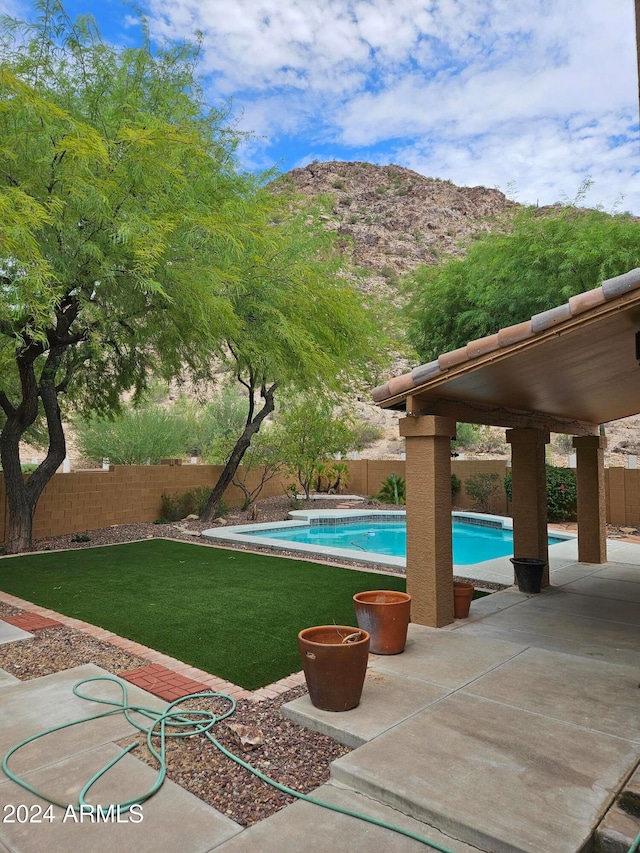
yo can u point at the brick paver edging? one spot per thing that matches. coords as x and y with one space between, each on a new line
31 622
184 670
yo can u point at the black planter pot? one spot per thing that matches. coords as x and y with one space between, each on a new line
529 571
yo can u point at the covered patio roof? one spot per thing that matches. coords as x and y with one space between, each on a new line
567 370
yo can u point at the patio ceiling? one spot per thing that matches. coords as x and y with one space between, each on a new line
567 370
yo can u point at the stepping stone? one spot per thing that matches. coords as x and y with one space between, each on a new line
11 634
164 682
32 706
171 820
6 679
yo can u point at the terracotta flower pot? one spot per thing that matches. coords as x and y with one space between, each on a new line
462 595
334 658
385 615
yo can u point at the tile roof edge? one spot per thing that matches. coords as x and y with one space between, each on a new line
610 289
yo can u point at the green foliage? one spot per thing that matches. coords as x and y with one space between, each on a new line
171 508
301 324
480 438
393 490
311 430
456 485
120 201
564 443
177 506
466 436
26 468
150 432
481 487
562 493
491 440
216 425
126 225
263 454
200 495
291 491
332 478
547 256
367 433
390 275
135 437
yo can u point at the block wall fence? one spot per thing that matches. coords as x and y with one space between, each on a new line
88 500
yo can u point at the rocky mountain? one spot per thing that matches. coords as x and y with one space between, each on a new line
389 220
393 219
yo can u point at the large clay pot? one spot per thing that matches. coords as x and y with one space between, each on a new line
529 571
385 615
334 658
462 595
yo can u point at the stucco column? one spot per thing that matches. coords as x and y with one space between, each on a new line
529 494
592 509
429 546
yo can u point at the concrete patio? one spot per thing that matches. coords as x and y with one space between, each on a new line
513 730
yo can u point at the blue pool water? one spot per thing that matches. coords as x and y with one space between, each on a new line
472 543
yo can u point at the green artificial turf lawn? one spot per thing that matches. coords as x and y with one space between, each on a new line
233 614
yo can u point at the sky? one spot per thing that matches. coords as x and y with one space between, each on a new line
533 97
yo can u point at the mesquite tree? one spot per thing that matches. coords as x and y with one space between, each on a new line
122 211
302 324
546 256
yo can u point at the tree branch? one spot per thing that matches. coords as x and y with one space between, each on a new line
7 407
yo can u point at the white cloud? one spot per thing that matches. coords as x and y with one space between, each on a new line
14 8
495 91
541 163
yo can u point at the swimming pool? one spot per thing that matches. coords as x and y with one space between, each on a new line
375 536
472 543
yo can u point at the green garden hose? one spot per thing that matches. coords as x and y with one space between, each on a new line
172 723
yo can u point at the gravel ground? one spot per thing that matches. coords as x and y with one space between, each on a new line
287 753
58 648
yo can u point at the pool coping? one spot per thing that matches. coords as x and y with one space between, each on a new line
237 534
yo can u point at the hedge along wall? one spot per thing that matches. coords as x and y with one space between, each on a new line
87 500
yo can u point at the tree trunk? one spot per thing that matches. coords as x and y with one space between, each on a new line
20 511
23 496
241 446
